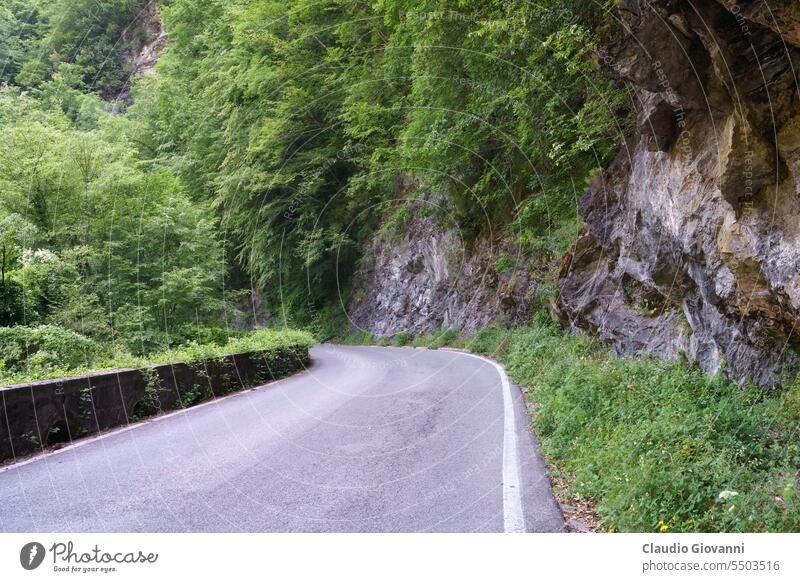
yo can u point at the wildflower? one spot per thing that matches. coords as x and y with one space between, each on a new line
724 495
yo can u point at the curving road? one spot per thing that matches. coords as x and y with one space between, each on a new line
367 440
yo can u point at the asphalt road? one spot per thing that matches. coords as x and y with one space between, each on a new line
366 440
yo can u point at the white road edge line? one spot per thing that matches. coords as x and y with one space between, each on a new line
513 515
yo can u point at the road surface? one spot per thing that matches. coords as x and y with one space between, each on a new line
366 440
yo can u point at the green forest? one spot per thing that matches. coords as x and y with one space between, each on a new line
237 185
245 165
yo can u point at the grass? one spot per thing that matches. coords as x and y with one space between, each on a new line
437 339
659 446
45 363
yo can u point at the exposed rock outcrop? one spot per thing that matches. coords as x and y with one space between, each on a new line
691 241
426 279
145 39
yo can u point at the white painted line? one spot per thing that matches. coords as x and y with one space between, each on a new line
513 516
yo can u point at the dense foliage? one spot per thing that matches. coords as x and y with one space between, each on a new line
38 349
658 444
92 241
95 239
273 140
81 41
306 122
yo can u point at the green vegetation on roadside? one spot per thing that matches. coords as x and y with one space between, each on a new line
30 354
657 445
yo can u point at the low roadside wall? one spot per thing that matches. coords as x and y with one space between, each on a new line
40 414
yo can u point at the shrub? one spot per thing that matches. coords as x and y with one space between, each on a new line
28 354
44 348
209 334
267 339
442 338
503 264
403 338
12 310
359 338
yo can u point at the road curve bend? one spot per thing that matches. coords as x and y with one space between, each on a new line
366 440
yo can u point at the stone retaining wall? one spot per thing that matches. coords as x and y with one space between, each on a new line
40 414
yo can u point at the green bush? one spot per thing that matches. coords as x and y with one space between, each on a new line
443 338
489 340
47 347
12 303
359 338
327 323
217 335
503 264
438 339
403 338
267 339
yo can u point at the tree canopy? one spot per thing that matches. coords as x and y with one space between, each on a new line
272 141
303 121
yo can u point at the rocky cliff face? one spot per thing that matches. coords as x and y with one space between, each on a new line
425 278
691 241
